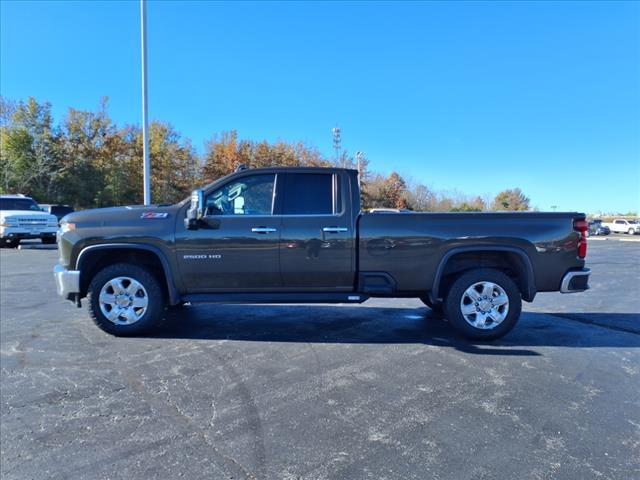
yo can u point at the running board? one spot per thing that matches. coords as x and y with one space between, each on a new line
275 298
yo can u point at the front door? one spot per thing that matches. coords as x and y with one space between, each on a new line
236 246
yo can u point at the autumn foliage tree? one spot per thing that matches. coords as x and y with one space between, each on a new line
512 199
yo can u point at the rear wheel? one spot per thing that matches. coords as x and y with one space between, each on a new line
631 231
125 299
483 304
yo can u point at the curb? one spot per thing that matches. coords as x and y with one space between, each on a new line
37 247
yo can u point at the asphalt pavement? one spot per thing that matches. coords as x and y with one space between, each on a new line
382 390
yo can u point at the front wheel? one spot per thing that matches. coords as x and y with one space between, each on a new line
631 231
483 304
125 299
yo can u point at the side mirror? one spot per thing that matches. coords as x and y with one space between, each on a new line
195 211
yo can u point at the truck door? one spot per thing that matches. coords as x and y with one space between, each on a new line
317 239
236 246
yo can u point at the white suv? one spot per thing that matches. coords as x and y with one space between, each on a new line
21 218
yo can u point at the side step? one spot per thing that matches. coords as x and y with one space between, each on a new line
275 298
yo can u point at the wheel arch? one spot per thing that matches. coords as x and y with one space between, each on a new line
95 257
460 259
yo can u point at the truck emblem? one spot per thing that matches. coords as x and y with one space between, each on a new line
203 256
153 215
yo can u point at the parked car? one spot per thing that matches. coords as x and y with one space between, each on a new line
58 210
597 228
21 218
296 235
621 225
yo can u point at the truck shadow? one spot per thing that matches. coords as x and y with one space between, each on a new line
375 325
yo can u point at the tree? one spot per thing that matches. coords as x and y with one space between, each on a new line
28 148
394 190
85 157
512 199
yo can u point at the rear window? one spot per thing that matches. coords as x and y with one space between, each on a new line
308 194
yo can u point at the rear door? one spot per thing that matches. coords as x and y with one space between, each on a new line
317 237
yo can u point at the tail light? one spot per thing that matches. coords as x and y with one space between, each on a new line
581 226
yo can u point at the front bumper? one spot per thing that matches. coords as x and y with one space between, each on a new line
67 282
575 281
11 234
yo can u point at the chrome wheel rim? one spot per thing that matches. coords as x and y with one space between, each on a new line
123 300
484 305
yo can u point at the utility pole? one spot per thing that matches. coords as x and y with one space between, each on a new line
360 156
336 143
145 138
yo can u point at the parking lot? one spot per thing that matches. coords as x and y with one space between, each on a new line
381 390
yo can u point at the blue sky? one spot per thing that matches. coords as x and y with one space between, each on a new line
473 97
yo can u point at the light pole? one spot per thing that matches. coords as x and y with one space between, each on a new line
145 139
336 143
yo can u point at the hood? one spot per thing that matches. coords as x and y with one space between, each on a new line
120 216
25 213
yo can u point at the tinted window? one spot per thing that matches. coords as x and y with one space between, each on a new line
18 204
251 195
59 210
308 194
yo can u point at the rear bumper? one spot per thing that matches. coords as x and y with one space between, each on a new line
67 282
575 281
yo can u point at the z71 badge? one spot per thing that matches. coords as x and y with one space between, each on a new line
154 215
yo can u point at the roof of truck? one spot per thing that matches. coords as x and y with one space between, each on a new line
15 195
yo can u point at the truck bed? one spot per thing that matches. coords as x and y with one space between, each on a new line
408 248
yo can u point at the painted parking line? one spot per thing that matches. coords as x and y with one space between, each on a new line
616 238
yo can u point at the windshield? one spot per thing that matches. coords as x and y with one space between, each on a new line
19 204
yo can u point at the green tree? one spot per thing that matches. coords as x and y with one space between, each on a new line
85 157
28 149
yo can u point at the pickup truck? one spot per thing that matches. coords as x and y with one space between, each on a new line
296 235
620 225
21 218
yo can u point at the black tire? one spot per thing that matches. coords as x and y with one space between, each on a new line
12 244
454 297
631 231
154 294
48 240
436 308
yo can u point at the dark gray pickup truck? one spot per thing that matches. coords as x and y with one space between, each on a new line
296 235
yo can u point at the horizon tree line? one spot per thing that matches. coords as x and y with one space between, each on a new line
88 161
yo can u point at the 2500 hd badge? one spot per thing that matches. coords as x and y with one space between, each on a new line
209 256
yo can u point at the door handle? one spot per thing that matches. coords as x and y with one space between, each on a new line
263 230
334 229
